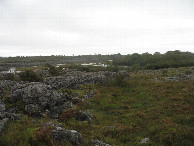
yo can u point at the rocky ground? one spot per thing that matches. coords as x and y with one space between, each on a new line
51 97
37 99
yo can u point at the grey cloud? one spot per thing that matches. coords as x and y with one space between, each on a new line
95 26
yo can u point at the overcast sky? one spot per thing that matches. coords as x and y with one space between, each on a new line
66 27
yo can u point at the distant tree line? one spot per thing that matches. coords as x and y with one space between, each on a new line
156 61
135 61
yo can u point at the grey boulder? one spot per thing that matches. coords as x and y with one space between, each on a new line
61 135
84 116
98 143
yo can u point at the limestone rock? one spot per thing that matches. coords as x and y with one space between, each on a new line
145 140
98 143
61 135
84 116
3 124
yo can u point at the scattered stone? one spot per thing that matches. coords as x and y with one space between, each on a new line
13 110
61 135
34 121
145 140
59 125
2 116
13 116
3 124
68 104
88 94
84 116
173 79
76 100
48 124
111 127
2 108
98 143
75 137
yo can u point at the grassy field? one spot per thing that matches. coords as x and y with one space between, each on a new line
160 111
124 115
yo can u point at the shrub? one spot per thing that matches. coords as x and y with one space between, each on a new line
10 76
66 115
188 72
29 75
164 72
42 137
54 71
119 81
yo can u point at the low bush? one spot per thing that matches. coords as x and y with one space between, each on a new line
54 71
66 115
30 75
119 81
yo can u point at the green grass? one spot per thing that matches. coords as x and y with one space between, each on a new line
20 132
163 112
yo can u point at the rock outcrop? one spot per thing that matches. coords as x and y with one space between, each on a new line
73 79
37 98
40 98
61 135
